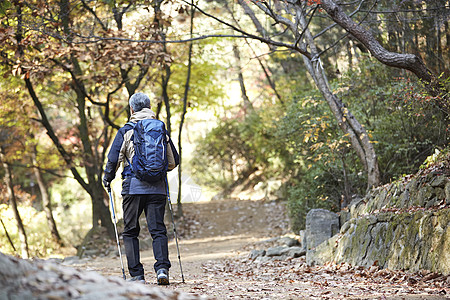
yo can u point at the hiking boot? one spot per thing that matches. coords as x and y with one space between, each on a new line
162 277
139 278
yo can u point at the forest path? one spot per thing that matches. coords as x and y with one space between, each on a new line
215 243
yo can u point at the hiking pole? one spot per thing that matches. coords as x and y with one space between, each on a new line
115 228
174 229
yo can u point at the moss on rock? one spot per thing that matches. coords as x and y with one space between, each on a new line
400 237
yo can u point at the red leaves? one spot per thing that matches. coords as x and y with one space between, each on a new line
313 2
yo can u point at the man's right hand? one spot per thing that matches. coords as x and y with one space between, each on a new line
106 183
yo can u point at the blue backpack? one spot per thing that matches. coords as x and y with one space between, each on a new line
149 162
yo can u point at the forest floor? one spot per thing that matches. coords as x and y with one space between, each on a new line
215 241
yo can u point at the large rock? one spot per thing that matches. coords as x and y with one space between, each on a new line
321 224
23 279
302 238
277 251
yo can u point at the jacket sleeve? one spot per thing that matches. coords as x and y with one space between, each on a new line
113 157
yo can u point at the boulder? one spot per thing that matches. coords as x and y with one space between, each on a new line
302 238
288 241
294 252
321 224
256 253
277 251
447 193
24 279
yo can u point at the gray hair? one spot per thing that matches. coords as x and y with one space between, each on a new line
139 101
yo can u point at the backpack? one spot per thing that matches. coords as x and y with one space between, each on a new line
149 162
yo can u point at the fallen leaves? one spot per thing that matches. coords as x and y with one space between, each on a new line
322 282
241 277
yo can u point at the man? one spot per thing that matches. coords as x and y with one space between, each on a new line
139 196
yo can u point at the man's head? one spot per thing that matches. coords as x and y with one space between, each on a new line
139 101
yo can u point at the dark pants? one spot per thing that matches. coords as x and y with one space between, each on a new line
154 208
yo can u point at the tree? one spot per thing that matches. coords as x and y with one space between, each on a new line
410 62
57 59
4 134
297 17
46 202
346 120
183 113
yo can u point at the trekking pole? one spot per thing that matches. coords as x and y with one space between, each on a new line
174 229
115 228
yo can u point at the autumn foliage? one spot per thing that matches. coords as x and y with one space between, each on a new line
313 2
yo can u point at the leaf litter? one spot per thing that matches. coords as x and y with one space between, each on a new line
209 228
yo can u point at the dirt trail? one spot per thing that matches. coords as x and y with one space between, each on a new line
216 239
210 231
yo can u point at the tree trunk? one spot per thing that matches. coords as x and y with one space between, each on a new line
349 54
94 185
46 202
168 72
12 199
346 198
183 115
100 211
158 109
440 58
248 106
346 121
267 71
447 34
165 83
287 65
8 236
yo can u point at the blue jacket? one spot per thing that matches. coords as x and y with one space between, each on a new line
122 151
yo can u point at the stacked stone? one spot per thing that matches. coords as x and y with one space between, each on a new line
403 225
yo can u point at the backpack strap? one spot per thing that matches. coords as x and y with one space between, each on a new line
131 124
128 161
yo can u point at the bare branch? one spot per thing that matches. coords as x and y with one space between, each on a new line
256 22
407 10
252 36
249 12
410 62
49 171
65 155
95 39
88 8
276 17
346 34
335 24
307 25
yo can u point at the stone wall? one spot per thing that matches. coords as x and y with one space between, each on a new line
403 225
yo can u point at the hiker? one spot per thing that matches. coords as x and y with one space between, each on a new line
140 196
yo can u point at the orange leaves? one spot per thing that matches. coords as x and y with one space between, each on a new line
45 49
313 2
6 33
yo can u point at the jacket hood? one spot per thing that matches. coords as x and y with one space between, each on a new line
145 113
